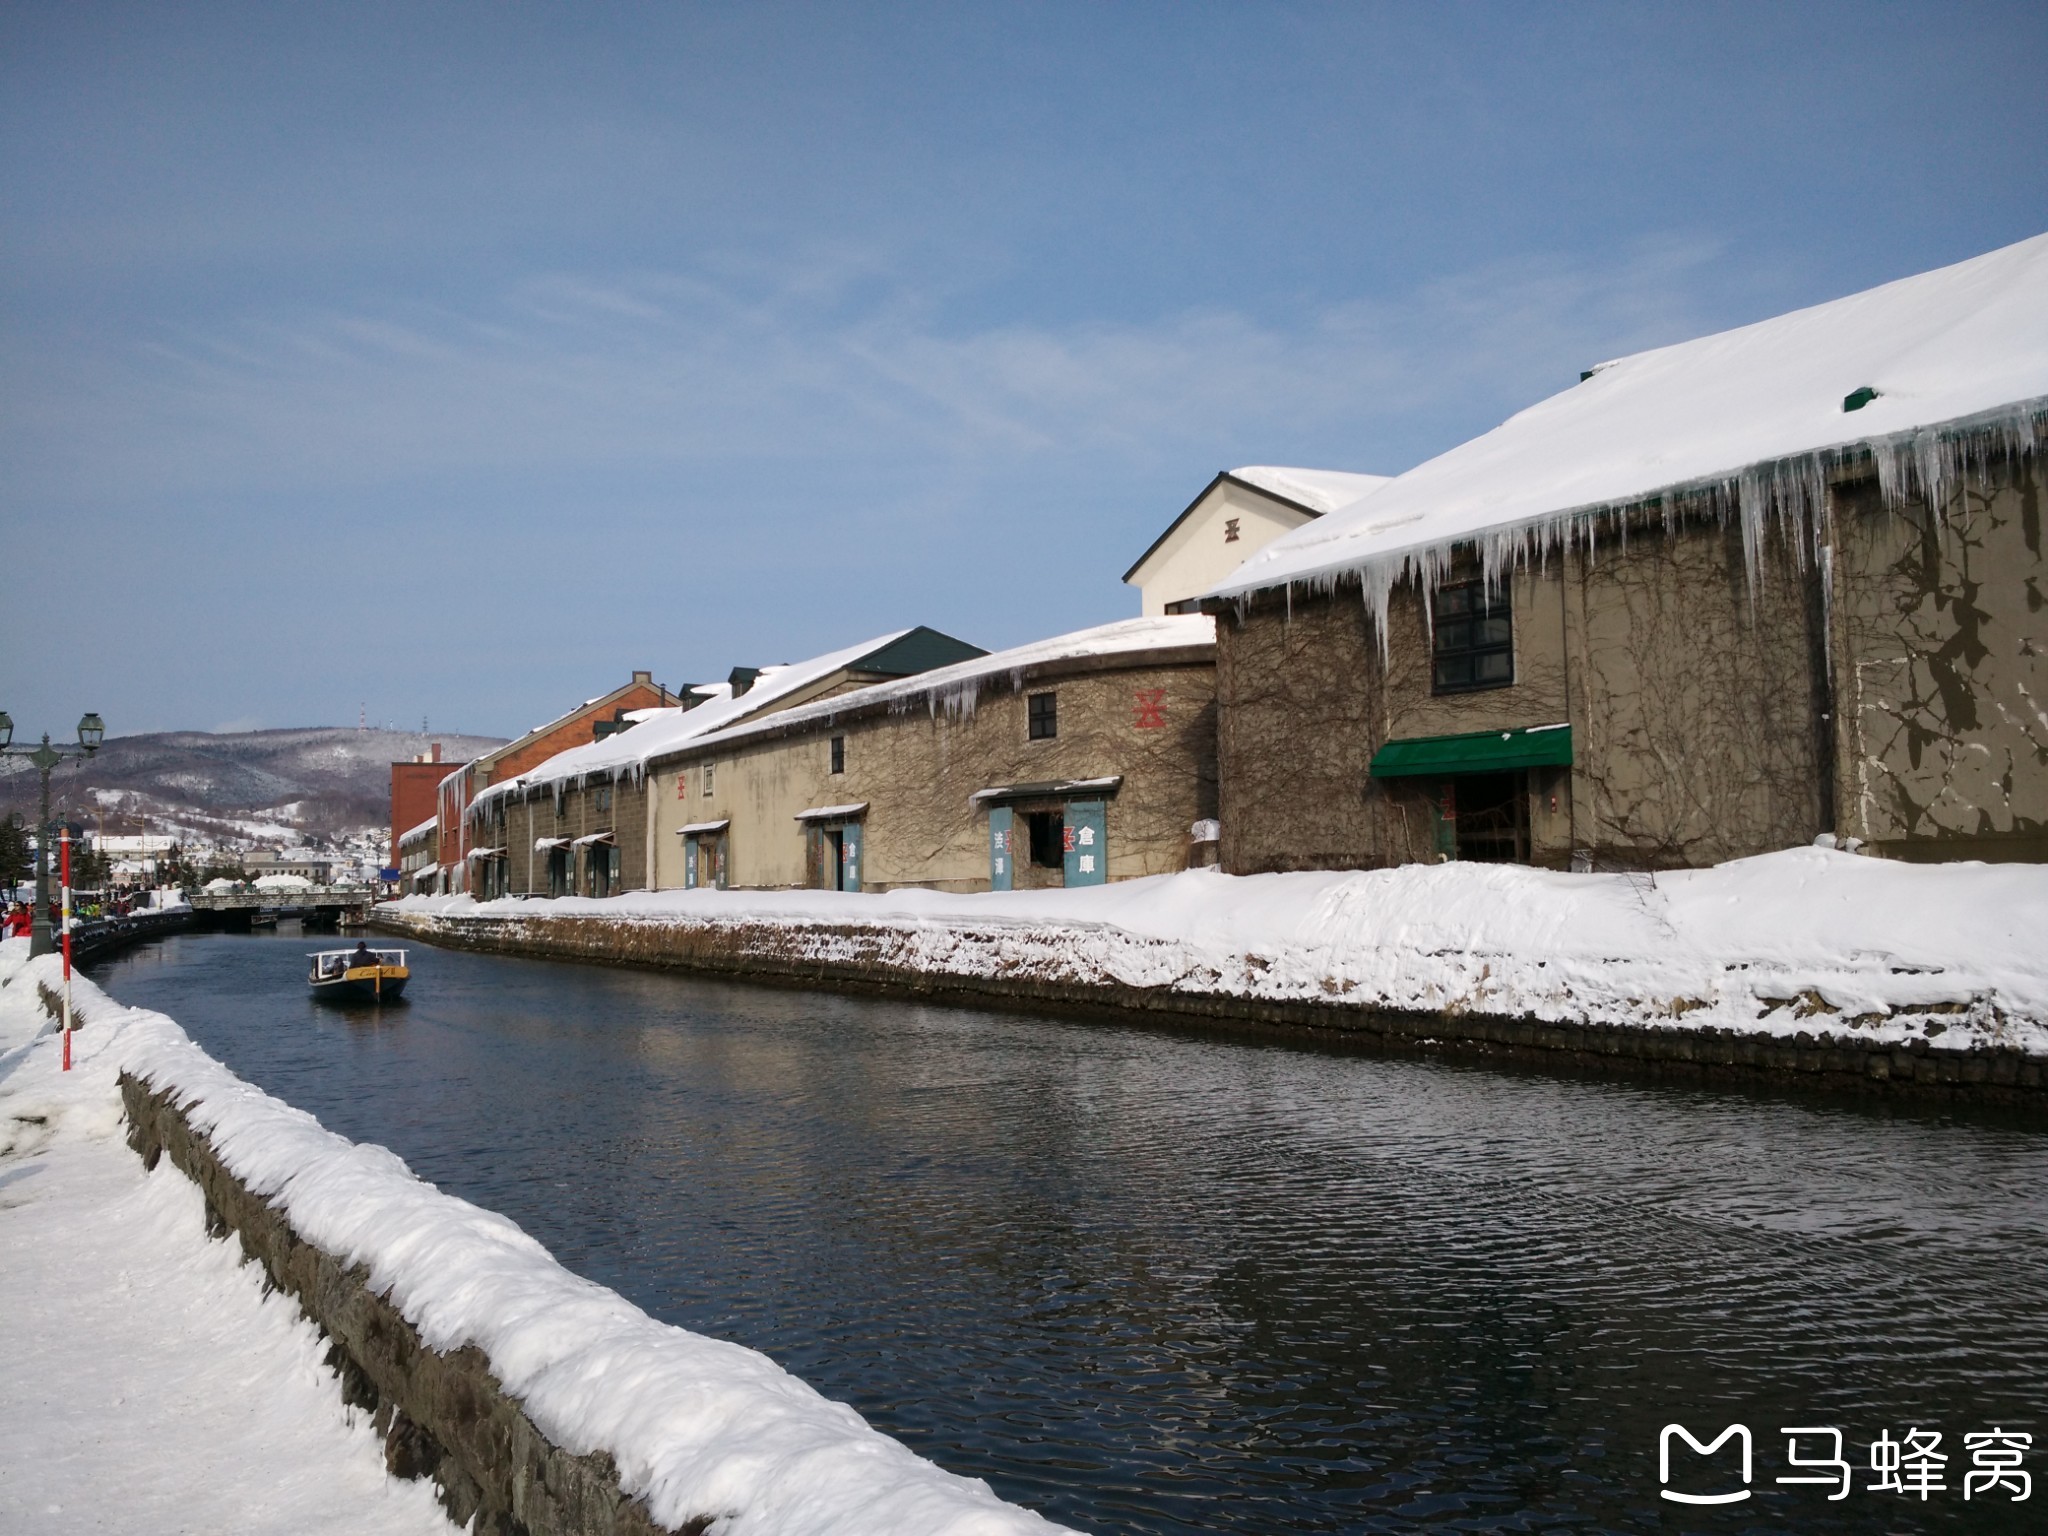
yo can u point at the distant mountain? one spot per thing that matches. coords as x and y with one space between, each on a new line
240 786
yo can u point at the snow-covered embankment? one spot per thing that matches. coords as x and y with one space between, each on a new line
1876 971
687 1431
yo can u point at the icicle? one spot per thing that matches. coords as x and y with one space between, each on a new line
1789 496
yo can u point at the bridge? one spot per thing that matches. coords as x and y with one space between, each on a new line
323 906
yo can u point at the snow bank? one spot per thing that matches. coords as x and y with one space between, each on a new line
283 883
1805 940
152 1381
1751 418
696 1425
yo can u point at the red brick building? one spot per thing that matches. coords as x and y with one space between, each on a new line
413 786
454 790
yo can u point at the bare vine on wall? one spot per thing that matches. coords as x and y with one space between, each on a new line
1697 695
1942 624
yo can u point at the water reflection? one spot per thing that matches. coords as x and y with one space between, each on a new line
1147 1282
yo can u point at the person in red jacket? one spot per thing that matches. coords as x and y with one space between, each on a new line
18 922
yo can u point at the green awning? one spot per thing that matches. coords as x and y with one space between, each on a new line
1535 746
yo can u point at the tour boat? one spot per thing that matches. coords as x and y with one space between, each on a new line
337 974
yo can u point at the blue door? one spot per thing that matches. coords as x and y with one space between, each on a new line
1000 876
689 863
1087 842
849 856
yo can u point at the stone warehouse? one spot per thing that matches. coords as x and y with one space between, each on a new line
577 823
1071 761
1774 585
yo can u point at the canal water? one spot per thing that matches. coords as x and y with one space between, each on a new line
1147 1281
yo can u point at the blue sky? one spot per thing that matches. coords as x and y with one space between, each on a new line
454 360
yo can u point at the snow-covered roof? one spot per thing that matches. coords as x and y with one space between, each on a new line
419 831
1320 490
1752 417
664 730
953 690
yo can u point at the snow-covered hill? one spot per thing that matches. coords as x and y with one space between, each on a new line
240 786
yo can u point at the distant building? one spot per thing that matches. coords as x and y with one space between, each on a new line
414 785
302 862
1071 761
579 823
417 847
579 726
1238 513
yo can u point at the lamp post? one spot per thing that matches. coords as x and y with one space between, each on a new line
91 732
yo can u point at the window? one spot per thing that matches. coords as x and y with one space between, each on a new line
1048 831
708 770
1045 715
839 754
1475 640
604 797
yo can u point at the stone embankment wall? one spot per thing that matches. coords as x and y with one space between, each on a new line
442 1416
896 962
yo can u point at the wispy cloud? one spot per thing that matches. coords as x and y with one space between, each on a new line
821 367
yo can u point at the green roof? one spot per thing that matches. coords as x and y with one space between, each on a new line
1535 746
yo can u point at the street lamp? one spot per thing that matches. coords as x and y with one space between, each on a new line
92 730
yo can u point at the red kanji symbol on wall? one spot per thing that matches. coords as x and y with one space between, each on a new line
682 787
1149 705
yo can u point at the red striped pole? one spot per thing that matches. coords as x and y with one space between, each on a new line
64 875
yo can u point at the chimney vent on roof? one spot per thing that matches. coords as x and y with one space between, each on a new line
643 677
436 750
742 679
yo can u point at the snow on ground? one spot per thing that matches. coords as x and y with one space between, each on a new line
190 1402
1808 939
149 1384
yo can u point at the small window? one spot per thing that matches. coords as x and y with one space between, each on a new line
1045 715
839 754
1048 830
709 771
604 797
1475 640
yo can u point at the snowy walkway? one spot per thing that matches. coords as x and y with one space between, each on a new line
147 1384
